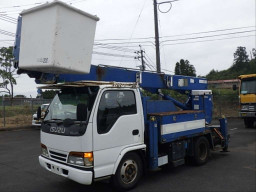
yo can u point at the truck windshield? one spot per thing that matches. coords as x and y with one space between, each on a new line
64 104
248 86
44 107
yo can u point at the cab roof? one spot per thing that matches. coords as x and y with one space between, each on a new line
247 76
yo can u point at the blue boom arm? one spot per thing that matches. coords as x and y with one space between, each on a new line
147 80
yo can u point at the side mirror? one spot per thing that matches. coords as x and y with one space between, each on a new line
81 112
234 87
39 111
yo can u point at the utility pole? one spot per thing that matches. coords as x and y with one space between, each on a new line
158 64
142 59
141 52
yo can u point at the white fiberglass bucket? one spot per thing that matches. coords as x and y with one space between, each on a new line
57 38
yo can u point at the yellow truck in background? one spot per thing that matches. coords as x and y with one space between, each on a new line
247 97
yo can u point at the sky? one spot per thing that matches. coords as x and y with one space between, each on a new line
205 32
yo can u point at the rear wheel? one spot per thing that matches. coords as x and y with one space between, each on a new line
128 172
201 151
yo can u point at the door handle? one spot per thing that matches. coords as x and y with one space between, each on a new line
135 132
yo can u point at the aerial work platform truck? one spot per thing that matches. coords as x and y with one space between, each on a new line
100 124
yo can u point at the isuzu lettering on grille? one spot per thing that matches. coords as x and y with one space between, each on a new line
57 130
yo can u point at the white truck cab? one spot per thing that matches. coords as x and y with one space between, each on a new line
84 147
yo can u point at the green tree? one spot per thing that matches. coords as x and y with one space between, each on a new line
241 61
177 69
48 94
254 53
185 68
20 96
7 71
241 66
240 56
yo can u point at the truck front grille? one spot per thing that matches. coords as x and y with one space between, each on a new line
251 108
58 156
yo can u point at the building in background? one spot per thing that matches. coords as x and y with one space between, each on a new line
223 84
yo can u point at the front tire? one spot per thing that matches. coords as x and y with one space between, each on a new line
128 173
201 151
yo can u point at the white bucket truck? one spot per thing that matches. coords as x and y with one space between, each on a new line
100 125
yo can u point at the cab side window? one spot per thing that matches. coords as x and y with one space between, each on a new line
114 104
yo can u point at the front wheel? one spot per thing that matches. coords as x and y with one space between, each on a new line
128 172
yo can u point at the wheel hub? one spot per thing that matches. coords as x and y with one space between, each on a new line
202 151
129 171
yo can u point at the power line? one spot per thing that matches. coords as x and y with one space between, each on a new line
3 32
3 19
186 34
119 39
39 3
9 18
115 49
113 59
132 42
196 41
158 7
207 36
145 43
102 45
209 40
76 1
7 32
125 46
147 56
211 31
24 5
133 28
125 42
8 43
168 71
149 66
113 55
149 62
137 20
6 40
152 67
14 8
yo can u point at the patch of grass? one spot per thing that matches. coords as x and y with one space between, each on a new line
11 111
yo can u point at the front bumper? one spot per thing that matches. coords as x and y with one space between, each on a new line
247 114
80 176
36 123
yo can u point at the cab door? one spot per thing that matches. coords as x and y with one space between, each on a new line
117 124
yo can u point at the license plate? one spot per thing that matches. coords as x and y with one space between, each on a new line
56 170
243 114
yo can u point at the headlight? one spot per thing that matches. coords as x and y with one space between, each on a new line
44 150
245 107
80 158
